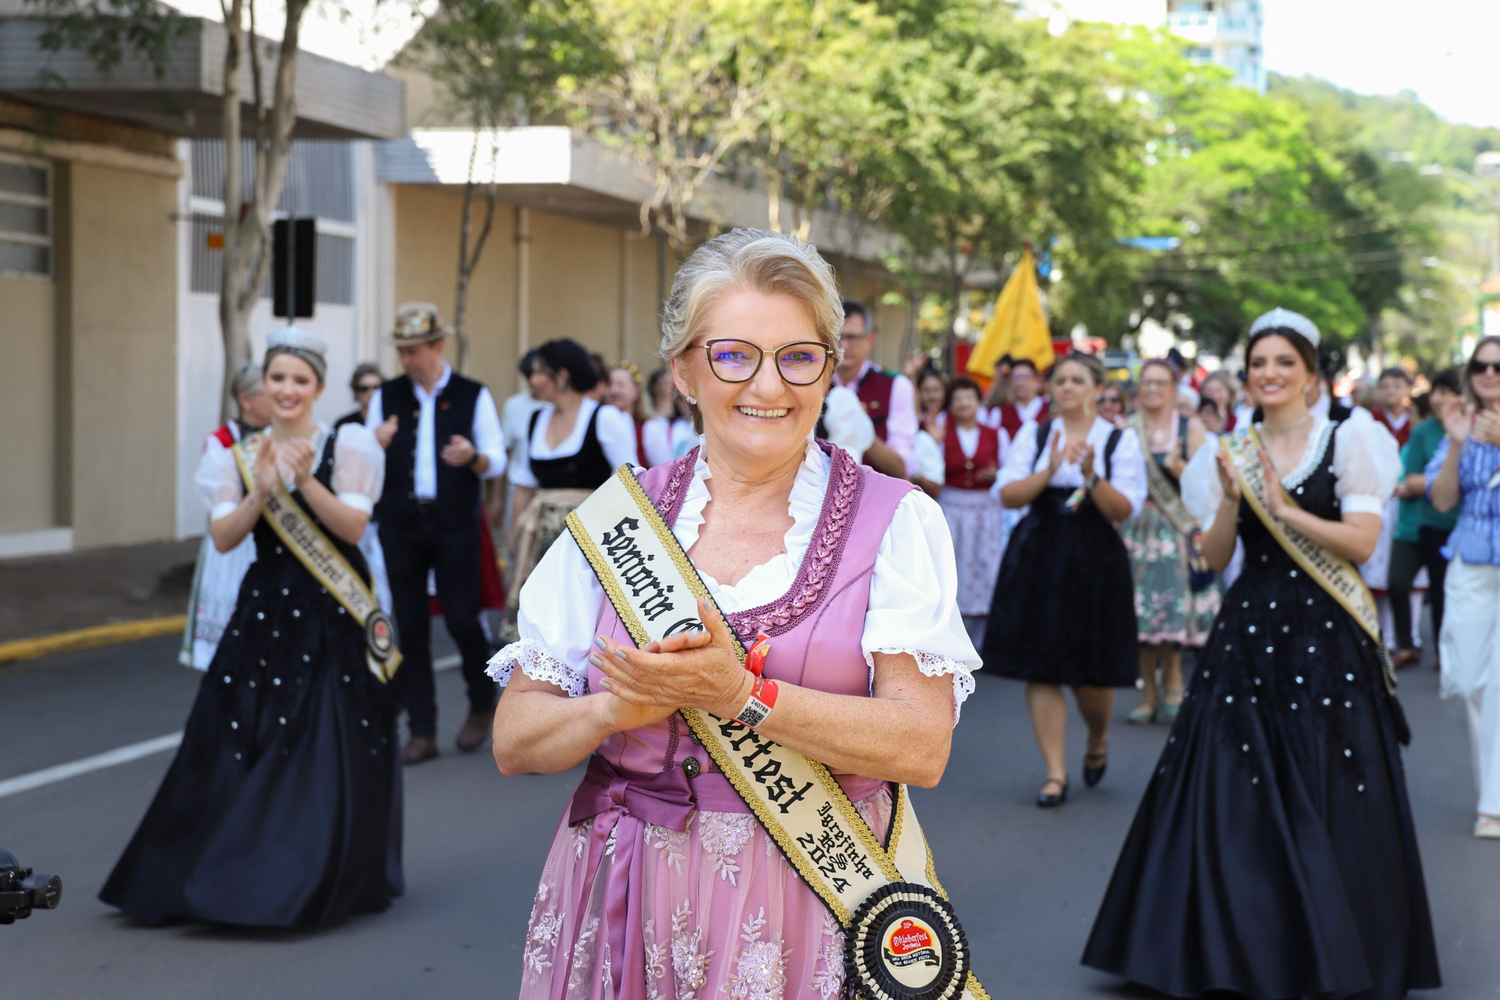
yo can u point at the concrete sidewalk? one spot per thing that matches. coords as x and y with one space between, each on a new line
53 603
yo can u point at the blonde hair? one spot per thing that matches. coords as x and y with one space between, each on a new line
1098 374
750 260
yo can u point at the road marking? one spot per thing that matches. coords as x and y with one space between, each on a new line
125 754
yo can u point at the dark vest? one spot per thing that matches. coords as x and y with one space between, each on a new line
458 492
874 392
587 469
1012 422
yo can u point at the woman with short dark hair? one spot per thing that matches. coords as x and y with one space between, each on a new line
573 444
972 454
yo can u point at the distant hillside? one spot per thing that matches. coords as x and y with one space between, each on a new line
1395 123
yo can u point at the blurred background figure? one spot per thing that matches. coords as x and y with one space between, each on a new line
971 460
364 383
1114 403
624 394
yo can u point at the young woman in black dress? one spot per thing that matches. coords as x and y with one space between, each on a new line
283 807
1273 855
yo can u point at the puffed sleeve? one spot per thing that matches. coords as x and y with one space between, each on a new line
1366 462
358 467
617 437
847 423
1019 457
1127 470
914 598
1201 490
218 480
560 604
930 462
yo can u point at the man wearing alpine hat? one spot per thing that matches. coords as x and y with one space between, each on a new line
442 437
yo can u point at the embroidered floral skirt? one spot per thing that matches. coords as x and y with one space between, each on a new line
1166 609
635 911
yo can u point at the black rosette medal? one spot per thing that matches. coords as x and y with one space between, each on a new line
905 944
380 636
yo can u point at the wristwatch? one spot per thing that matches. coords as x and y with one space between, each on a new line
1091 482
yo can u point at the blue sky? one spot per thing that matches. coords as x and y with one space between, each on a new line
1448 51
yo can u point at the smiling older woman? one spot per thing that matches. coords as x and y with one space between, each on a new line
660 882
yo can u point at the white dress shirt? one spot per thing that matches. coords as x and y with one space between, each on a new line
901 421
487 439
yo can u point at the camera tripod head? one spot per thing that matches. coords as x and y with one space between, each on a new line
22 890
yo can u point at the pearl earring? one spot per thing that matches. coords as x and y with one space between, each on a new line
692 401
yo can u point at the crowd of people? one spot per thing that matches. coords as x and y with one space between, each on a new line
875 537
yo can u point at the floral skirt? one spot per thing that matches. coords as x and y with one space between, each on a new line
628 910
1166 609
974 520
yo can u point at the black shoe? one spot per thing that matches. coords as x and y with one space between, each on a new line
1092 774
1044 800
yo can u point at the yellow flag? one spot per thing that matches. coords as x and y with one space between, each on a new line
1018 328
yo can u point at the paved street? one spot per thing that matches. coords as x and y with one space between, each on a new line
1026 882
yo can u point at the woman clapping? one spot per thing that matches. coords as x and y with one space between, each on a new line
1063 610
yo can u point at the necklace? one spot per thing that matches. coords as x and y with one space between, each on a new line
1287 426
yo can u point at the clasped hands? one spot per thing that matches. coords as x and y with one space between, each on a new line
275 463
695 669
1275 500
1079 453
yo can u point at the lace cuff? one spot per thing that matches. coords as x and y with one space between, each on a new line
933 665
537 662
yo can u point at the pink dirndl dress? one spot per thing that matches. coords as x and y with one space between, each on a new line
661 885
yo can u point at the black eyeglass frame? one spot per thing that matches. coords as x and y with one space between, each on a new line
775 352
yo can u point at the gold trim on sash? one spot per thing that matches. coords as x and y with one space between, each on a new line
1332 572
326 563
821 834
1162 493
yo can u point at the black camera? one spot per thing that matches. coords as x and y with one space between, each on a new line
22 890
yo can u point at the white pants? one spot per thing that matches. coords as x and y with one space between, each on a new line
1470 647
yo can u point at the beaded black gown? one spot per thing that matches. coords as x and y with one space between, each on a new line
283 806
1273 855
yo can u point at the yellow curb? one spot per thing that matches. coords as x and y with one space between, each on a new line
90 638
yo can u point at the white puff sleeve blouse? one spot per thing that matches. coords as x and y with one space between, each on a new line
913 600
1127 467
1366 464
358 471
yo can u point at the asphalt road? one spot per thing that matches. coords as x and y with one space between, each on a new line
1025 881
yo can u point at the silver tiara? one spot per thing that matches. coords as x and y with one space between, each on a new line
297 339
1285 319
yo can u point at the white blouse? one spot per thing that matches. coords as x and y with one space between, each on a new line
616 436
1127 466
846 422
1366 462
913 604
932 465
358 471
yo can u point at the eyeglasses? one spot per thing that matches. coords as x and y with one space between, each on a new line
802 363
1155 383
368 387
1476 367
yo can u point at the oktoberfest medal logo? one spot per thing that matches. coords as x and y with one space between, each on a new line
380 636
906 944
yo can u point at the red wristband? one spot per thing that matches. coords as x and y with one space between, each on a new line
755 660
758 706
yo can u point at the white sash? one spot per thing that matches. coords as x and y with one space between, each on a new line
654 589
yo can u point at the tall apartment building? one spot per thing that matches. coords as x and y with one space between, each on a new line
1222 32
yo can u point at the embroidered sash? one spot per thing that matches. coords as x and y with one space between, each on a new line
1168 500
902 941
326 563
1333 573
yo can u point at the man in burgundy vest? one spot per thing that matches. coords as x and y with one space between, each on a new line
1394 410
888 397
1026 402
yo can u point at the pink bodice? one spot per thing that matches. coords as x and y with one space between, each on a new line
815 631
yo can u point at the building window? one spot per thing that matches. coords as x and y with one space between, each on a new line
25 217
